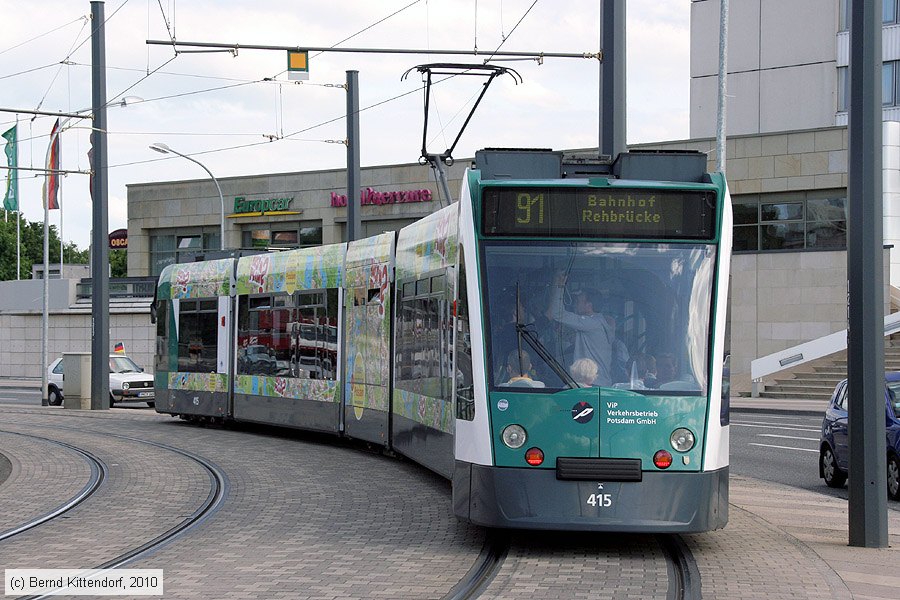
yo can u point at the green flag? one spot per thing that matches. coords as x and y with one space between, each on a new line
11 199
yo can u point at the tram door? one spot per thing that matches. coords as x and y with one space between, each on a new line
367 319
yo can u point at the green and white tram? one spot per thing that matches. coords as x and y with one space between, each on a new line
596 312
552 345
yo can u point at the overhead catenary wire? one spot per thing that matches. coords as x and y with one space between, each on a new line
46 33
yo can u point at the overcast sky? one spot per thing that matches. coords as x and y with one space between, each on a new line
45 56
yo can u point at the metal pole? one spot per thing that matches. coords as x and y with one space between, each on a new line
100 214
723 81
865 268
164 149
354 204
237 47
612 78
45 311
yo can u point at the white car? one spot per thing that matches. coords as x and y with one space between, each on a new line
127 382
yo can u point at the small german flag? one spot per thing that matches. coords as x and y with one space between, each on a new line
119 348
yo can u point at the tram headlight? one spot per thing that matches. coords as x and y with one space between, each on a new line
682 439
514 436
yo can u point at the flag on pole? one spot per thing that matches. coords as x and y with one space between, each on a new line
11 198
51 182
119 348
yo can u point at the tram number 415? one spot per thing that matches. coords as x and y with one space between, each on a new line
600 499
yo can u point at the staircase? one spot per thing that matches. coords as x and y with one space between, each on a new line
817 380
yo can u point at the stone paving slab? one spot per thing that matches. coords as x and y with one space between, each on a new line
581 566
310 517
128 510
42 476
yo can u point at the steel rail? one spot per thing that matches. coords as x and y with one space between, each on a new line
98 475
212 503
486 567
684 576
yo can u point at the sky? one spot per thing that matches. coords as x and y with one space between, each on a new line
239 115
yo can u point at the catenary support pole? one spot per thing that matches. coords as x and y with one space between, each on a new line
723 86
45 309
100 217
354 205
612 78
865 268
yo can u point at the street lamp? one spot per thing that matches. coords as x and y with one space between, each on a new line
163 149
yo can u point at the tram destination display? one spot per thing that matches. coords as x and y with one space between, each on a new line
599 212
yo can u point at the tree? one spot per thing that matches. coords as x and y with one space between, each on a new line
32 248
118 263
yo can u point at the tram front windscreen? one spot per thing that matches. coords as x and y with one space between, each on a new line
633 316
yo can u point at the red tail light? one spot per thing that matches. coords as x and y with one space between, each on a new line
662 459
534 456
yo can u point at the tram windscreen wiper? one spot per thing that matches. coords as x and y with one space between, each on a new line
523 333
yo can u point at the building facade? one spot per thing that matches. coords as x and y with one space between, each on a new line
170 222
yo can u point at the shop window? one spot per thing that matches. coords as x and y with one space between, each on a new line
285 237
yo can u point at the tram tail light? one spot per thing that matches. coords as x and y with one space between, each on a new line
662 459
534 456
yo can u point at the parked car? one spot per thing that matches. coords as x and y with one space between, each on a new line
127 382
834 447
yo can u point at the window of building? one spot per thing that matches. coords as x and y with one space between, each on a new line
170 247
814 220
890 10
285 235
890 85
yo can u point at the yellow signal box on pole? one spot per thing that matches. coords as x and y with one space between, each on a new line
298 65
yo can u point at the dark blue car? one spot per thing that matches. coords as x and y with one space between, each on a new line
834 448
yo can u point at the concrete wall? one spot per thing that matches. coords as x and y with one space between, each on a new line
70 331
781 65
21 326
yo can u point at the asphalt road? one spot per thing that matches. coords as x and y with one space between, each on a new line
782 448
32 397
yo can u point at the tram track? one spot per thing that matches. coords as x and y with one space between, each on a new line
684 576
211 504
487 565
98 474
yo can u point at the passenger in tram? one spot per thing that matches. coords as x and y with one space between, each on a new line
666 368
584 372
520 371
643 369
594 336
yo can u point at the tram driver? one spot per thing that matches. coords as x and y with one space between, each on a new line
520 371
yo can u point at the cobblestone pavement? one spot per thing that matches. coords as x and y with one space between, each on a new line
579 565
41 477
303 518
309 517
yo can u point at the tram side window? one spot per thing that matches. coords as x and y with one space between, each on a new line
162 346
465 394
422 355
288 335
197 330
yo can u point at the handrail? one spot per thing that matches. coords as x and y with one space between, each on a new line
807 351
